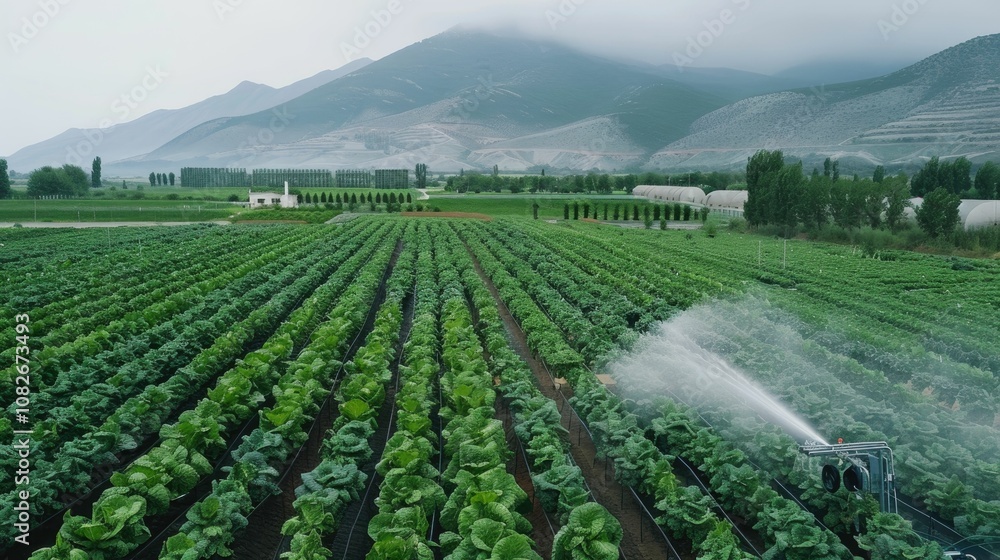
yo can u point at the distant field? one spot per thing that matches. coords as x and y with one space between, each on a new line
211 194
97 210
549 206
154 207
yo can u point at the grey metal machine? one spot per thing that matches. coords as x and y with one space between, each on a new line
870 469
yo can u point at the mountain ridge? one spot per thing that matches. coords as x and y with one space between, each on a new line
943 105
150 131
470 98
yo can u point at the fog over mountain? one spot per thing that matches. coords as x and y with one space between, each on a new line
511 94
70 65
472 99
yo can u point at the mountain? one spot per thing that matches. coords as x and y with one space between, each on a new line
460 99
730 84
474 99
145 134
833 71
946 105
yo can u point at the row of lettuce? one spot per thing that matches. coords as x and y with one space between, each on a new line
627 446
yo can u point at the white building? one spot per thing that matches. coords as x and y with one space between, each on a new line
263 199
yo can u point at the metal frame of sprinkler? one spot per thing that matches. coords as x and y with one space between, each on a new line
871 469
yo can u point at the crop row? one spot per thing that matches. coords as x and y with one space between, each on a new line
339 478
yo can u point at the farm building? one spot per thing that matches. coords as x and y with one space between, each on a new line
262 199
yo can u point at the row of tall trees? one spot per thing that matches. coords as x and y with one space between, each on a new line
779 194
955 177
649 212
5 191
599 183
421 174
275 178
95 173
215 177
353 198
161 179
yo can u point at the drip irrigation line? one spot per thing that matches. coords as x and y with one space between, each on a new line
649 514
725 514
754 465
389 429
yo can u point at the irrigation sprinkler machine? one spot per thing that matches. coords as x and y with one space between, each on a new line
869 469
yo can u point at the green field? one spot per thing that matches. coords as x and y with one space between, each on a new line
154 207
97 210
220 194
454 332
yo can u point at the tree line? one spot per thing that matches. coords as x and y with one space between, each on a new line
955 177
379 198
780 194
598 183
66 181
645 212
5 191
161 179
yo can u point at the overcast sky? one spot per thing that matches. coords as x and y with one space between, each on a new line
65 63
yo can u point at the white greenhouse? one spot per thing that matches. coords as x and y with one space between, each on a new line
983 215
690 195
726 200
